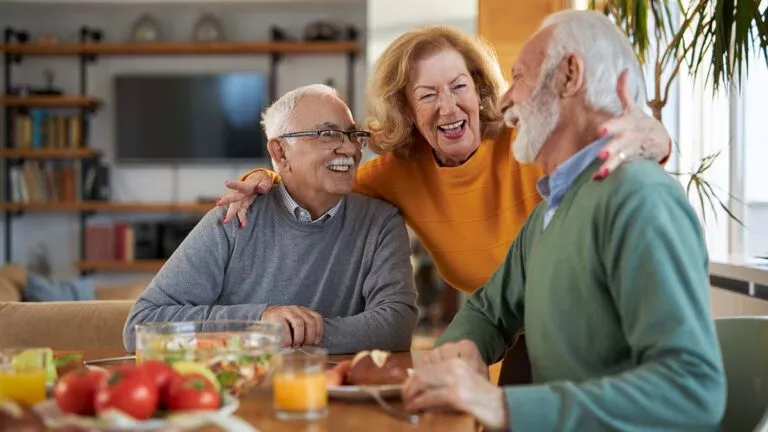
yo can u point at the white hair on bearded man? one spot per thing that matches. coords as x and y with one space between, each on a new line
606 52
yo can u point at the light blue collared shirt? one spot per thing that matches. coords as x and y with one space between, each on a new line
552 188
300 213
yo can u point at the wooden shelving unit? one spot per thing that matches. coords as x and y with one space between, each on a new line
120 266
49 101
81 153
87 52
181 48
106 207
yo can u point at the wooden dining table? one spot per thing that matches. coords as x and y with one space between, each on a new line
256 409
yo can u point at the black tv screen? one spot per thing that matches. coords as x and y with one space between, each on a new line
190 118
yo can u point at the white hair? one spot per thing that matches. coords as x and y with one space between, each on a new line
606 53
276 118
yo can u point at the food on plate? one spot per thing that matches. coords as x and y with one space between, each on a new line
163 374
152 389
337 376
67 363
15 417
75 392
129 389
193 392
189 367
376 368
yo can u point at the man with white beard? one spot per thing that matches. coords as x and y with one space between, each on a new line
609 279
332 266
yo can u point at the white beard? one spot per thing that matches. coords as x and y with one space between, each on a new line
537 119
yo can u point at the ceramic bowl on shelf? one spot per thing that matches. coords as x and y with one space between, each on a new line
241 354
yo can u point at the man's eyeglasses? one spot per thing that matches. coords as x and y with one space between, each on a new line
333 136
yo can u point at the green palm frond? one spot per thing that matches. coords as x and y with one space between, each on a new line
712 37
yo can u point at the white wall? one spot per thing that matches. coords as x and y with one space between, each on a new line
242 21
388 19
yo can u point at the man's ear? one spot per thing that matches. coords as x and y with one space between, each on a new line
276 148
571 75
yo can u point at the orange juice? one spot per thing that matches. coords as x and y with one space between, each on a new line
300 392
23 387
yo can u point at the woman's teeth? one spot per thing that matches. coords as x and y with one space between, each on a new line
452 126
340 168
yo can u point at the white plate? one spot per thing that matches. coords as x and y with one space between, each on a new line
114 420
351 392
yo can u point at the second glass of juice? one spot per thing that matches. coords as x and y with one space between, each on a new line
23 375
299 385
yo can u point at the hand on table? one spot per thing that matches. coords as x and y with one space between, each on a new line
634 135
464 349
304 326
457 385
243 194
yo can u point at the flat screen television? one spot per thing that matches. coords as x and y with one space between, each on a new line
190 118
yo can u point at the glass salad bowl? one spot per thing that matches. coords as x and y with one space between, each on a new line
240 354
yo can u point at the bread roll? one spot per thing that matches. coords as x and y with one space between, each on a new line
376 368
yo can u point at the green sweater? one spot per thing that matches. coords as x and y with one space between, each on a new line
613 296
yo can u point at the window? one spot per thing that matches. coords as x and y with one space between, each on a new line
755 139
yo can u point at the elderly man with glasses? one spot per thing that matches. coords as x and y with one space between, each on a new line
332 266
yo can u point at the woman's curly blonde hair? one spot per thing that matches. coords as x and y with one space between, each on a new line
390 122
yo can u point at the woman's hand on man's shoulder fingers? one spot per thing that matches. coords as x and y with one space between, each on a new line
633 135
243 194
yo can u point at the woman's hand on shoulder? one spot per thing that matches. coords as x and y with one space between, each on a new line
634 135
244 193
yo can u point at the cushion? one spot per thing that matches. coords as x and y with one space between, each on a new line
42 289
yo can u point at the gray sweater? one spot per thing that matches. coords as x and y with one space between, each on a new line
354 270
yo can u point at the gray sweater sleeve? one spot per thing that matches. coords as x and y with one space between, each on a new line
190 282
390 312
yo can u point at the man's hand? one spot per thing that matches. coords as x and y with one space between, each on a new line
634 135
303 326
243 194
454 384
464 349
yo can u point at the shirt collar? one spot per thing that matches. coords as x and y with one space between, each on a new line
300 213
553 187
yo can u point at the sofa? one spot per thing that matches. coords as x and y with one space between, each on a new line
71 325
92 325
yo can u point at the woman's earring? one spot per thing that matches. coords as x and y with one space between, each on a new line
481 107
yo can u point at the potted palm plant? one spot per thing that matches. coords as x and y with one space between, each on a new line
714 37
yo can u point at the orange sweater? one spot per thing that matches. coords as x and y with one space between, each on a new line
466 216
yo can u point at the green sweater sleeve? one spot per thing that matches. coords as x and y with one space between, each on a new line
656 268
493 314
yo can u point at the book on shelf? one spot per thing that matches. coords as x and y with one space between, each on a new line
53 181
131 241
47 129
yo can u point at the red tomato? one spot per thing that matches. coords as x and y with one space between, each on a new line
130 390
75 391
163 374
193 392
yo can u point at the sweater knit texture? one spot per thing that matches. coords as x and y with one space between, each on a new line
354 270
613 295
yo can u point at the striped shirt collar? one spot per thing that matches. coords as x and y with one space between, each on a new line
301 214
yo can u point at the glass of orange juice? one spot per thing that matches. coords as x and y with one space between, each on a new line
23 375
299 384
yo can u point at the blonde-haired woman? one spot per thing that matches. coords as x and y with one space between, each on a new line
445 155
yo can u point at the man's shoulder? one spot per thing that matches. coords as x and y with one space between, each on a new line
367 207
637 176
